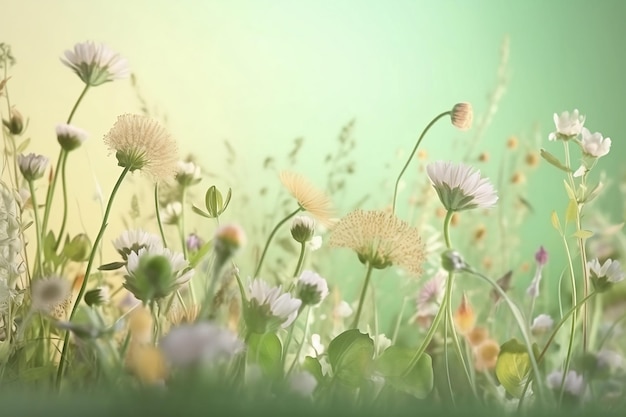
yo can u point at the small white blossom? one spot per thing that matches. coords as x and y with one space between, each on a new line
282 306
342 310
609 359
460 187
315 243
542 323
32 166
594 144
302 383
567 125
172 212
200 343
611 270
70 137
96 64
573 384
134 240
312 288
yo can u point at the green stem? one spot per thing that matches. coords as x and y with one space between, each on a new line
40 255
366 283
83 286
306 329
50 193
80 98
64 188
406 165
446 228
300 260
181 224
158 213
271 236
570 345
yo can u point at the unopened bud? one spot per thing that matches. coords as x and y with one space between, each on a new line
462 116
15 124
452 261
302 229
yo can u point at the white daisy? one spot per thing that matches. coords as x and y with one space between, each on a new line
312 288
70 137
270 308
594 144
460 187
96 64
573 384
567 125
134 240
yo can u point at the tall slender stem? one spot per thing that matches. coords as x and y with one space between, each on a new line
50 193
40 255
271 236
158 213
304 336
406 165
300 259
64 189
80 98
83 286
366 284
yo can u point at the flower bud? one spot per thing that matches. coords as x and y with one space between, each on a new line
70 137
188 173
97 296
32 166
78 249
452 261
214 201
462 116
302 229
312 288
15 124
464 317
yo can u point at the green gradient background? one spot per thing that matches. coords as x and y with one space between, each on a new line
260 73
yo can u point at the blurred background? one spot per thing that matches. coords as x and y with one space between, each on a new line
249 88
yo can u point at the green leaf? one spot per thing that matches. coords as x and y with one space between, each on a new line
196 257
313 366
570 193
23 146
555 221
351 356
583 234
266 350
553 160
200 212
513 367
572 211
111 266
418 382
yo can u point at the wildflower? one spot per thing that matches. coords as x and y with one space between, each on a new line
11 245
140 325
573 384
567 125
429 297
462 116
486 355
315 243
308 196
229 238
460 187
312 288
51 295
342 310
512 142
188 173
134 240
604 276
155 272
541 324
302 229
147 363
179 315
532 159
380 239
594 144
140 143
70 137
464 317
194 242
608 359
541 258
268 308
96 64
476 336
15 124
200 343
172 213
32 166
302 383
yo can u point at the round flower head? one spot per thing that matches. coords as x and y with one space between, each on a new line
200 343
268 308
308 196
70 137
312 288
134 240
172 212
462 116
32 166
567 125
460 187
486 355
594 144
156 272
96 64
51 295
142 143
573 384
541 324
380 239
302 383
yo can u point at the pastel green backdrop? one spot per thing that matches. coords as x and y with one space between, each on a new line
261 73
